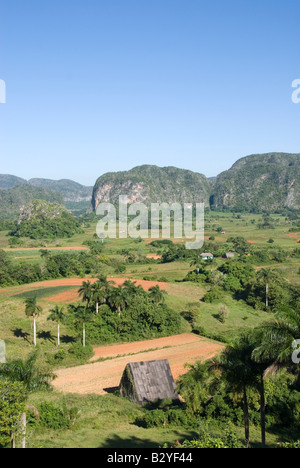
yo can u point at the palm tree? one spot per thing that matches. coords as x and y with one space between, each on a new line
57 315
239 370
157 295
196 385
196 262
33 380
118 299
264 366
105 286
131 286
278 337
33 310
82 316
131 290
266 275
98 295
85 291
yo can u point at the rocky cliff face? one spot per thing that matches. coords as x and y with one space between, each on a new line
40 210
152 184
259 182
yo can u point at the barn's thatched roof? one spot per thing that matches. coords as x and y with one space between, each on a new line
149 381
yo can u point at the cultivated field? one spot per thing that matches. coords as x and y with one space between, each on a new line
87 381
104 377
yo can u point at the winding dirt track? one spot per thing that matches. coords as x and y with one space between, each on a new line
100 377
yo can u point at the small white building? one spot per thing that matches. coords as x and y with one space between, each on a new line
206 256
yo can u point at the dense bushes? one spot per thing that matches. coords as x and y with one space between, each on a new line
208 396
52 416
60 265
141 319
42 220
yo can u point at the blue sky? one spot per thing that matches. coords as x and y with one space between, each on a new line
102 85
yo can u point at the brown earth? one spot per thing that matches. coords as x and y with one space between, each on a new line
155 257
72 295
100 377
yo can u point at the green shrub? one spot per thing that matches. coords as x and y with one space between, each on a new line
80 352
52 417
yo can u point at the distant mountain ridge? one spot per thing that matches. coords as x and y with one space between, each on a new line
71 191
255 183
8 181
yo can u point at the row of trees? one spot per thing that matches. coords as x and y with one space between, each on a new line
58 265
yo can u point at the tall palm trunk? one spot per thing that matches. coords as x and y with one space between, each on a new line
58 334
246 418
34 330
262 412
83 336
24 425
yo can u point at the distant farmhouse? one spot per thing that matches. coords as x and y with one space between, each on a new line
230 255
206 256
144 382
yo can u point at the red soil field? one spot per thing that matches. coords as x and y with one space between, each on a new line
69 296
72 295
100 377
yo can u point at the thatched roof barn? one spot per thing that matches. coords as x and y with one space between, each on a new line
144 382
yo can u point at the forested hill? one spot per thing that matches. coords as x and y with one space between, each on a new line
265 182
13 199
152 184
259 182
8 181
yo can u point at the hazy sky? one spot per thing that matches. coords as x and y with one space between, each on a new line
104 85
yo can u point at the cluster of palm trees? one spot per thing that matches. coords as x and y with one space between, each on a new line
105 291
248 361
